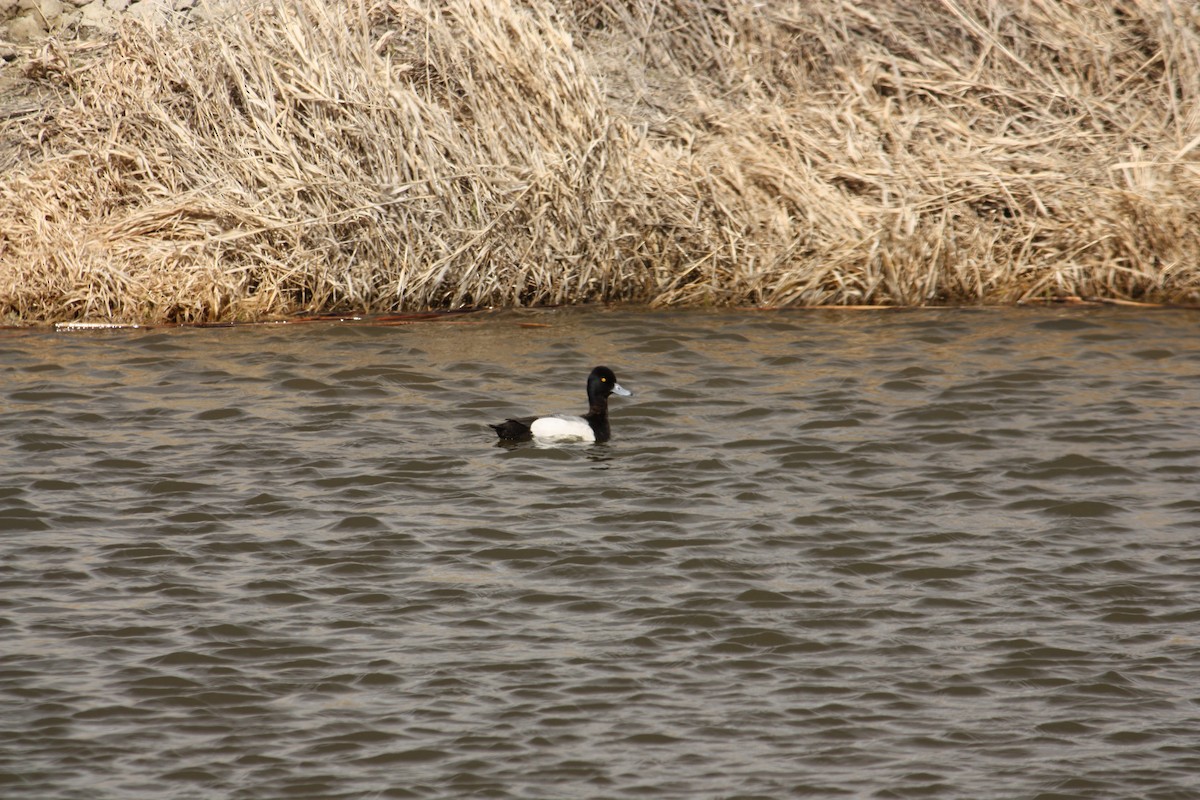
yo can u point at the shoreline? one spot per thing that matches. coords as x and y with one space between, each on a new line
464 316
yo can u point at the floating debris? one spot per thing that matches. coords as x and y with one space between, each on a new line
94 326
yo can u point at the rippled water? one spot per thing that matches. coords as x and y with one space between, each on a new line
915 554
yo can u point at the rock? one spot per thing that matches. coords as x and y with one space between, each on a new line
30 20
97 15
26 28
24 21
152 12
52 10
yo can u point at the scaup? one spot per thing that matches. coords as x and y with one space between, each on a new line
591 427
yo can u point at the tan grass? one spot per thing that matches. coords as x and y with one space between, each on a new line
297 156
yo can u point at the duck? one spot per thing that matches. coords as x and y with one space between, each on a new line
591 427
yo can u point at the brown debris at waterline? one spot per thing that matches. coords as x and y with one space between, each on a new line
300 157
448 317
454 316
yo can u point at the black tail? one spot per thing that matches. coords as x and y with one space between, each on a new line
514 428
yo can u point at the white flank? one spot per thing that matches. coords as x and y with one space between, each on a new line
563 428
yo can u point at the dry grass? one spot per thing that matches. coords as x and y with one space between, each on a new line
310 155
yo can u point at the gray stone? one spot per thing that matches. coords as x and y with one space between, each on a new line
152 12
26 28
51 9
97 15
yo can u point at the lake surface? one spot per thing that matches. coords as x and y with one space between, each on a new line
945 553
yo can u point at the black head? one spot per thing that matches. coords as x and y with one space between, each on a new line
603 382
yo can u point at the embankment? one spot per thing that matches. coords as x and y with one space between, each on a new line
292 156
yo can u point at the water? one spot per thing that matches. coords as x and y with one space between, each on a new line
913 554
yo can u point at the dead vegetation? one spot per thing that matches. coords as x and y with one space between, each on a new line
299 156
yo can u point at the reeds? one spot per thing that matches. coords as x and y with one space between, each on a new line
302 156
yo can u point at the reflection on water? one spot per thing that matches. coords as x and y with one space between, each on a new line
924 553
